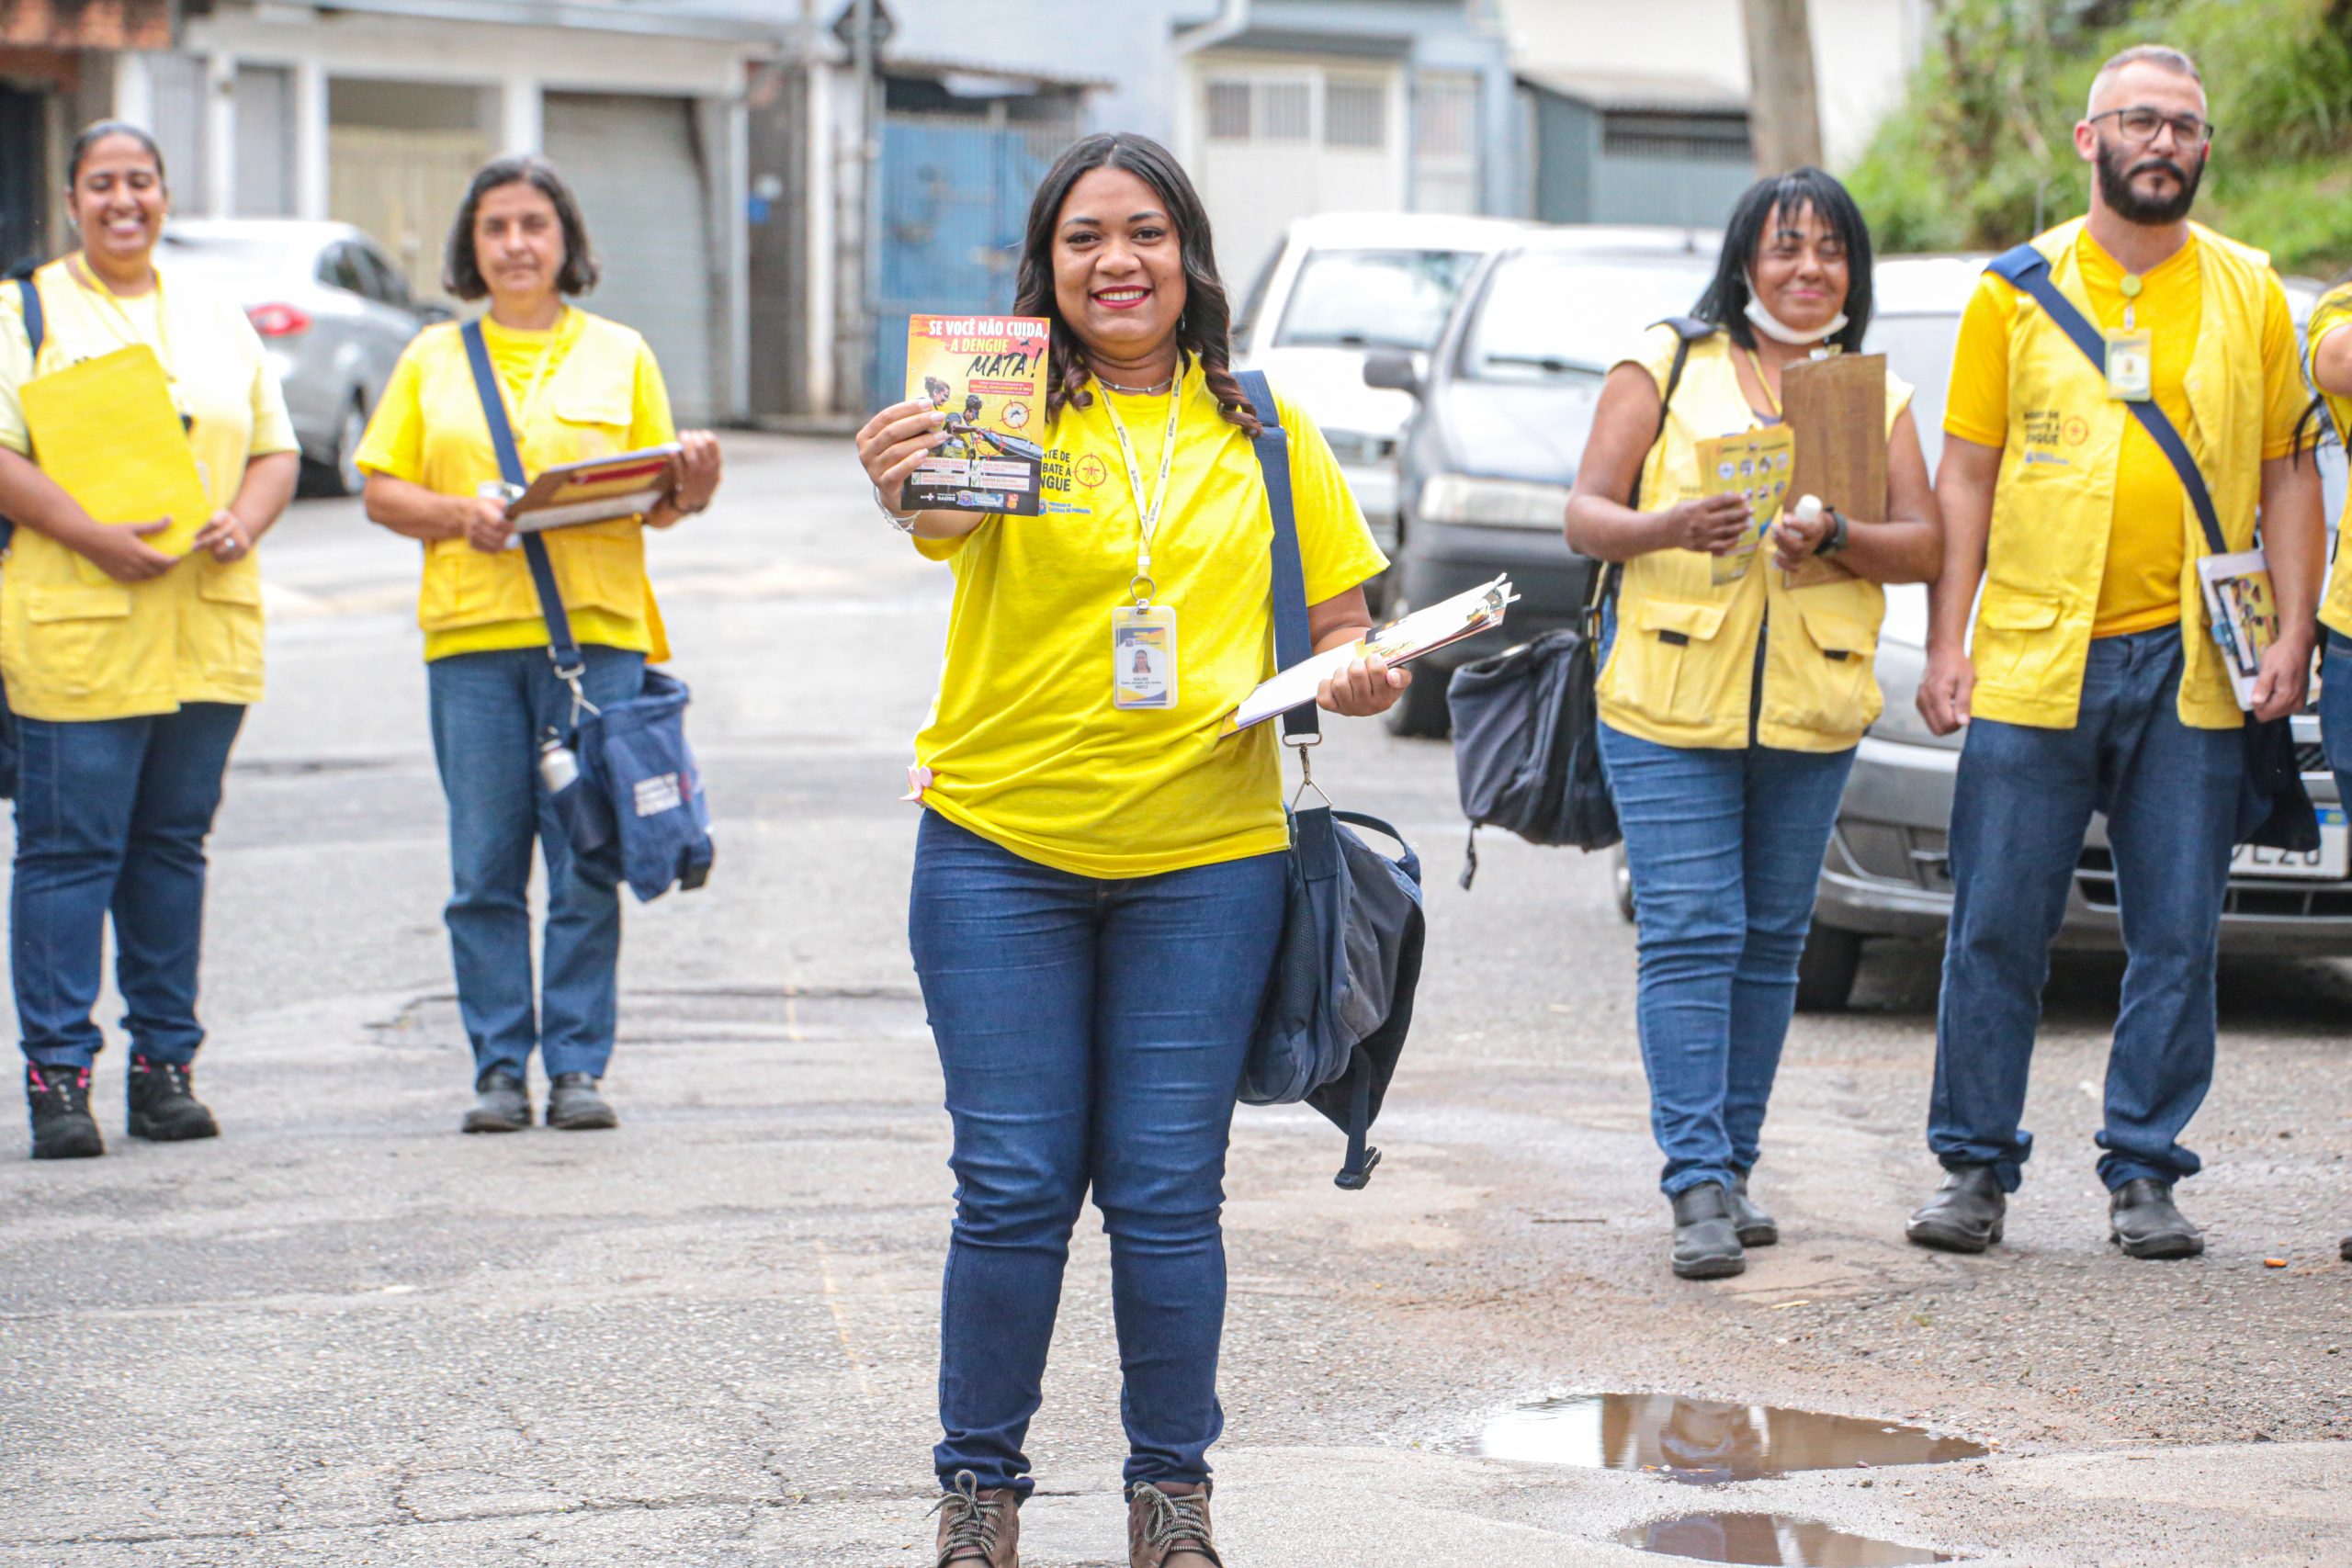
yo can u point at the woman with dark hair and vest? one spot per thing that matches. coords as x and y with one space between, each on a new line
128 670
577 386
1730 709
1099 882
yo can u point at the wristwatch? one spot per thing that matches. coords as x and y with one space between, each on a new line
1838 537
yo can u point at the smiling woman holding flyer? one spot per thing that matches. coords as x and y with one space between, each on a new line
577 386
1734 690
1099 878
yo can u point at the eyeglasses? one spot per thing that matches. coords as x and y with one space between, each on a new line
2140 125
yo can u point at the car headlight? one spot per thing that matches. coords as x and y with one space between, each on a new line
1901 668
1496 503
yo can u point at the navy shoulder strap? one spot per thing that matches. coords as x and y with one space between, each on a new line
36 328
561 647
2028 269
1292 642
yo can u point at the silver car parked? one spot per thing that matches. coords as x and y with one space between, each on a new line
334 314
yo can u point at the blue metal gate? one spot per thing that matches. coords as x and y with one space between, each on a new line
954 194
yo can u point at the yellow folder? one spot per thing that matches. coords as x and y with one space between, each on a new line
107 431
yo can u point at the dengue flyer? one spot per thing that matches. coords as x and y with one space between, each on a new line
987 375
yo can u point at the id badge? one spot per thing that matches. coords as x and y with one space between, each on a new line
2129 376
1143 657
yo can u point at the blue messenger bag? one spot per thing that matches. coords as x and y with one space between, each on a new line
1349 959
636 811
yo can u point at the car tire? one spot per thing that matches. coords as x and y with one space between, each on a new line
1827 969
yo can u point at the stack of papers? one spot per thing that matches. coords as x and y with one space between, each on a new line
1424 631
2243 613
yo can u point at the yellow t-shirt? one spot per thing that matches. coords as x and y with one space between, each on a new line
2331 315
433 441
1023 745
2140 588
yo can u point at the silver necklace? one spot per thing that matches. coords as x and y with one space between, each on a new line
1136 391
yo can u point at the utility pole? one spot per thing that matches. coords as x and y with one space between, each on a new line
1783 111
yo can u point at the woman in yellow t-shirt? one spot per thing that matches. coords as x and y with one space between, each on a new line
128 665
1097 887
1737 682
576 387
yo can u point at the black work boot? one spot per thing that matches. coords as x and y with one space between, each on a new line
501 1103
1965 1216
574 1105
59 1099
1706 1240
1756 1227
2141 1220
2344 1250
163 1107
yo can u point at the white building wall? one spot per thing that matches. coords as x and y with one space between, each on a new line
1863 50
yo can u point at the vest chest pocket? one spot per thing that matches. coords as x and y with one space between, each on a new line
596 420
75 639
2015 642
1664 665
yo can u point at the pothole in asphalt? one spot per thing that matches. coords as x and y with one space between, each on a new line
1704 1442
1774 1539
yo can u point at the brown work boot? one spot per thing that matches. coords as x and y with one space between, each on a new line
976 1528
1168 1526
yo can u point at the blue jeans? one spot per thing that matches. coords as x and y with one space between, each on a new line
1092 1032
2020 806
490 712
1725 849
2335 712
112 814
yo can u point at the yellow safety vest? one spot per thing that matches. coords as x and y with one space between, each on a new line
584 412
2054 502
2333 314
76 645
1683 666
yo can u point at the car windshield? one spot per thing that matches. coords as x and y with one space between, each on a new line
1372 299
238 257
1918 349
1560 317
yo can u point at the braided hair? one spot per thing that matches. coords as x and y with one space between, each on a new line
1204 333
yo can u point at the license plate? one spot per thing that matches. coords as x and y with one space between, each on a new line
2329 863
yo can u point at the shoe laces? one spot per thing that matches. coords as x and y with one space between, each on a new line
70 1087
971 1524
1172 1522
178 1077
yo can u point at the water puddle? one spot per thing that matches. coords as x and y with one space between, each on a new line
1704 1442
1773 1540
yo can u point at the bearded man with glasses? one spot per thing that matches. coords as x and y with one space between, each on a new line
2092 682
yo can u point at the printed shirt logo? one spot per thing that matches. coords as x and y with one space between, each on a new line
1091 471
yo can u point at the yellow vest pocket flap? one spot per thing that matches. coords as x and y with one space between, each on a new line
230 586
595 405
1838 634
1679 622
76 602
2018 614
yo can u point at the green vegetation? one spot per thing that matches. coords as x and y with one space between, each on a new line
1982 155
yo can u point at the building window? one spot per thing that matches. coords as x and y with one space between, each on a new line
1283 109
1229 111
1355 115
1260 110
1445 143
1695 137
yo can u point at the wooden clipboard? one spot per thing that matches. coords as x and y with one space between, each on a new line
1836 407
597 489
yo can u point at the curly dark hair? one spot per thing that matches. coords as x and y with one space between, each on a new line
1204 331
461 273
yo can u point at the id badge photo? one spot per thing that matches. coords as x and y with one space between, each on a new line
1143 657
2130 367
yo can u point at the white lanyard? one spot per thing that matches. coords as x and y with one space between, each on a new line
540 372
1146 517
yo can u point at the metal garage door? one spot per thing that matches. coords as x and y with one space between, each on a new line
635 164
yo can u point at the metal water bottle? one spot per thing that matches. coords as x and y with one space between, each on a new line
558 769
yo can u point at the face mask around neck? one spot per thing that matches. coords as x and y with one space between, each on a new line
1771 326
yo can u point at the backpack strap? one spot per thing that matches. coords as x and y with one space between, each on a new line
1293 641
2028 270
36 333
1687 330
562 652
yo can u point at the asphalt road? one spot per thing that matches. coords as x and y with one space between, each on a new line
344 1334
